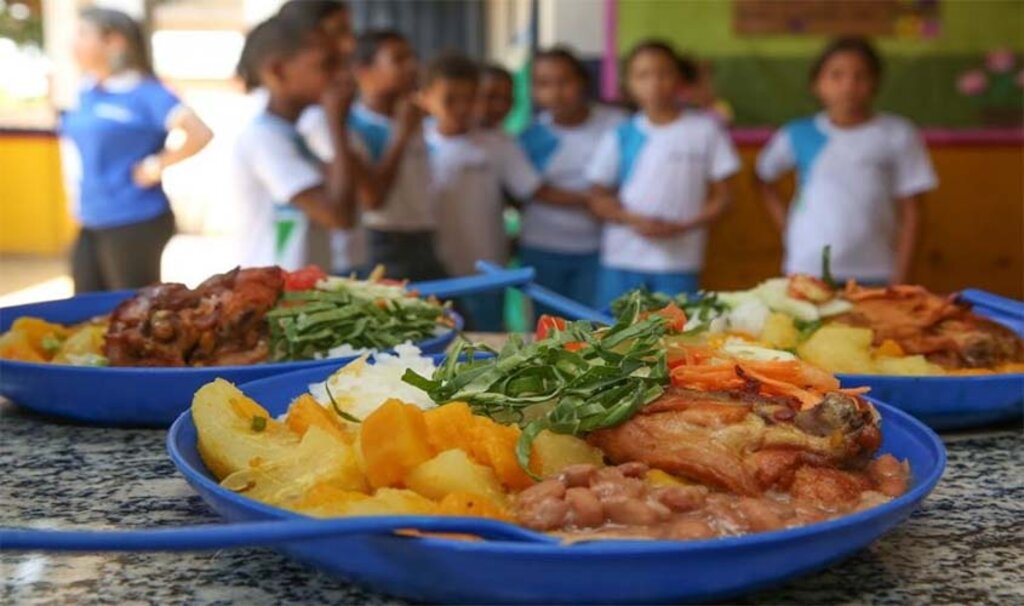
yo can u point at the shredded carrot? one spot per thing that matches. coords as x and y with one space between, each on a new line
701 369
778 387
688 355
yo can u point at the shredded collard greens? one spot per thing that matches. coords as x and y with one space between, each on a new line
307 324
703 307
573 382
337 409
806 328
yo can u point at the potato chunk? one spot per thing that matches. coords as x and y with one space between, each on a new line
235 432
839 348
321 458
82 342
453 471
472 505
780 332
326 501
916 366
558 451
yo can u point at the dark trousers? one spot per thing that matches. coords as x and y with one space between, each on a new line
405 255
121 257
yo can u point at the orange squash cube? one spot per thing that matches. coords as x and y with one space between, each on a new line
306 412
467 504
394 440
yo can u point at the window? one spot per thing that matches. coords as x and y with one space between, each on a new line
24 79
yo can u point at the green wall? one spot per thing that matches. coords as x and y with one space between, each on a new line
765 77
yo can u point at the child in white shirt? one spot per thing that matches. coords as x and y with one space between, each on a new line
660 179
349 248
561 238
286 198
860 175
470 168
398 206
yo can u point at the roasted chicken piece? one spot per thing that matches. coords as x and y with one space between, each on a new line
921 322
220 322
742 441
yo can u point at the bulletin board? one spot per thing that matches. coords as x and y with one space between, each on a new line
834 17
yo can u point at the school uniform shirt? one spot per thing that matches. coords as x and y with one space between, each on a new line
561 154
662 172
271 164
116 125
348 246
848 180
409 206
469 172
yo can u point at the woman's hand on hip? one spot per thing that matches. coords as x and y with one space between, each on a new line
149 172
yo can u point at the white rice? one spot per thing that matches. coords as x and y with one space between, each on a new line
343 351
359 388
748 351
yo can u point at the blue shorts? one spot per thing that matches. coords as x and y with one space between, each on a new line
571 275
613 282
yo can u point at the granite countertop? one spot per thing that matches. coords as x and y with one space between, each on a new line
965 545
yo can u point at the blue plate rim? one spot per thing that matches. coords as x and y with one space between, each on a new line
622 547
984 378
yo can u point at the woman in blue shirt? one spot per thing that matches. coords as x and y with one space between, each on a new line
119 134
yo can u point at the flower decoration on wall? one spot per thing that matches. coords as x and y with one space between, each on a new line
1000 61
972 83
995 87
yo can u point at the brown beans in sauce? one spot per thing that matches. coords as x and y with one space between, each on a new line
630 512
681 498
587 502
585 508
578 475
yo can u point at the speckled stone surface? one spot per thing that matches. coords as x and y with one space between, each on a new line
965 546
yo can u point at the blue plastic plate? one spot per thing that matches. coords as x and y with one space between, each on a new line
944 403
956 402
127 397
447 571
949 402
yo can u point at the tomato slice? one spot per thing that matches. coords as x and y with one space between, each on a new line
546 324
674 316
303 279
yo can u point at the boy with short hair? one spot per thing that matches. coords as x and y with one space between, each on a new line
495 97
396 197
470 168
288 199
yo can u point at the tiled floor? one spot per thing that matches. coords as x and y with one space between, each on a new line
28 278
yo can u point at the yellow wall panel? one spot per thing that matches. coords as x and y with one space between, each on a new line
33 212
